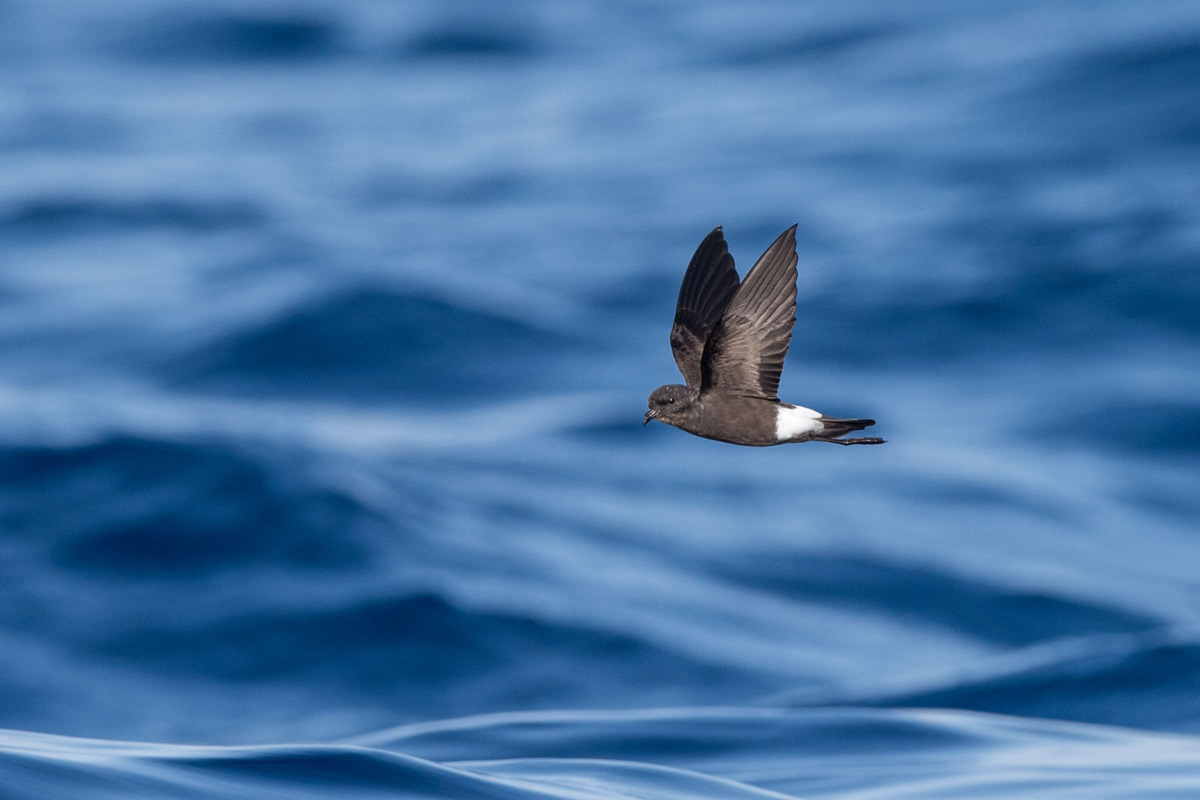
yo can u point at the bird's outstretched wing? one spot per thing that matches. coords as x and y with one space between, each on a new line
709 285
744 355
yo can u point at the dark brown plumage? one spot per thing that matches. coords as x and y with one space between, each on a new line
708 286
730 340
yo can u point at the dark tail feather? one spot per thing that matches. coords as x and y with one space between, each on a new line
840 427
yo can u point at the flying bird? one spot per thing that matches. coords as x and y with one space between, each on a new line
729 340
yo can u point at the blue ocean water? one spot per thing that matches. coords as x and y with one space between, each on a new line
326 333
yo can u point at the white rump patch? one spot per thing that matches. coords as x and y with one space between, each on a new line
793 421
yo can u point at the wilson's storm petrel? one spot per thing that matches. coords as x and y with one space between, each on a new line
729 340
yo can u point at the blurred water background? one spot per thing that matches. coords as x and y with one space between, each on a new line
325 335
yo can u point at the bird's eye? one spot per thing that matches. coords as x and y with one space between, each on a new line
670 399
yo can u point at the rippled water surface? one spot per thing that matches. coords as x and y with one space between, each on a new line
326 334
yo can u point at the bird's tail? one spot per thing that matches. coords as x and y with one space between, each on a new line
833 428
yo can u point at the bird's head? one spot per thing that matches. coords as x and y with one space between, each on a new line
668 403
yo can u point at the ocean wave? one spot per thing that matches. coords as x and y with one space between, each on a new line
475 40
207 36
400 650
375 343
161 510
74 214
1032 313
1146 680
924 595
678 754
